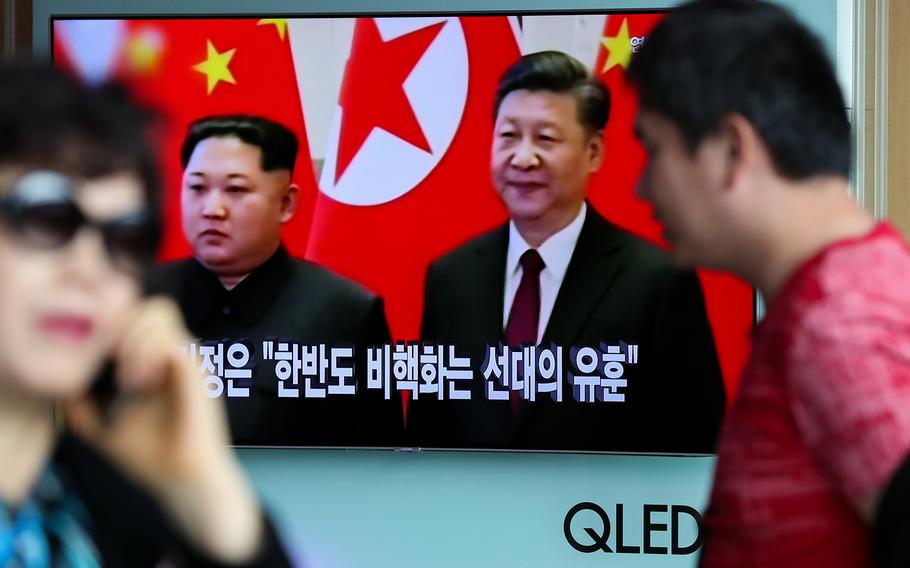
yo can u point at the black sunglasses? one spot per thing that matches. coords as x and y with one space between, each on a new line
41 211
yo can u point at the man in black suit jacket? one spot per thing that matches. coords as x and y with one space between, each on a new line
559 273
243 285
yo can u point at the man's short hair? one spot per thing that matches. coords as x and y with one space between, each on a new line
557 72
51 120
712 58
277 142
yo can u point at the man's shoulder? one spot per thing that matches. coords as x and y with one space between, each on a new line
640 254
326 282
176 276
170 276
877 264
490 242
853 284
646 252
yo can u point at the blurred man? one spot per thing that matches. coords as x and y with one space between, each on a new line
558 272
748 159
148 480
242 284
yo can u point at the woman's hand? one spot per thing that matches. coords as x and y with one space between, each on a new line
167 435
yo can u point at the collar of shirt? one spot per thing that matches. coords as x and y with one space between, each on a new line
556 253
248 301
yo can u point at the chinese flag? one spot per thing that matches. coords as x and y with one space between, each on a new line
193 68
406 176
612 192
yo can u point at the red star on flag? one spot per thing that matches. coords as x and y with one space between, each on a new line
372 94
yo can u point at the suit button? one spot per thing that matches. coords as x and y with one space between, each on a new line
226 310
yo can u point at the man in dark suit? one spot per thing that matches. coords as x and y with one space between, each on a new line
242 285
559 273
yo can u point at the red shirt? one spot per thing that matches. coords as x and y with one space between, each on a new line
822 417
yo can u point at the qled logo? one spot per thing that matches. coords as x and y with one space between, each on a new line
599 536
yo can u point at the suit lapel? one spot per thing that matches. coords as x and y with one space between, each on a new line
591 271
491 259
489 286
587 278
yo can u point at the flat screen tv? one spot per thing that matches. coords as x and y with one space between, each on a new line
397 311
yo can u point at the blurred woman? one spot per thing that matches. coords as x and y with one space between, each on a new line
149 478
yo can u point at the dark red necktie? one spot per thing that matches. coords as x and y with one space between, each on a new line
524 316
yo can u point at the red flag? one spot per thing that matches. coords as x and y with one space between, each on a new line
193 68
406 175
612 191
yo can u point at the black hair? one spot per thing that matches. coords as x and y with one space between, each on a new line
558 72
50 119
711 58
277 142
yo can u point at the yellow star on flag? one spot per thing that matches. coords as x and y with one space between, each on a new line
215 67
620 48
143 51
280 24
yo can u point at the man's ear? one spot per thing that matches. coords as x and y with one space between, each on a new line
743 149
595 151
289 202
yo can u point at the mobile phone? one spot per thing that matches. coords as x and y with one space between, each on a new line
104 390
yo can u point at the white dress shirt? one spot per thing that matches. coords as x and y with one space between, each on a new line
556 253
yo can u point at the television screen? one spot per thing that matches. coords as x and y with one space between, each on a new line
406 166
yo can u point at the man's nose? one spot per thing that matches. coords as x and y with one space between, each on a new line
213 205
525 156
